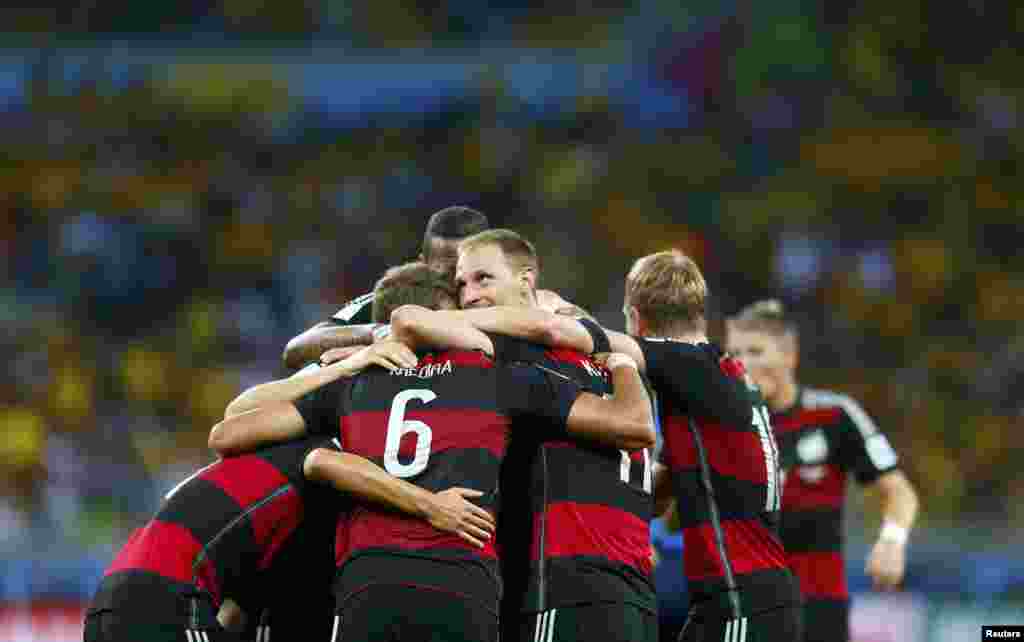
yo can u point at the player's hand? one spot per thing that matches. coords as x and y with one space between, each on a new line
338 354
452 512
886 564
551 301
387 353
611 360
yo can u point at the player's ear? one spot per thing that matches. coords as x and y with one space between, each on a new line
528 276
421 258
790 353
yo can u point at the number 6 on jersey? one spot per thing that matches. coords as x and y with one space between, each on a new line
398 426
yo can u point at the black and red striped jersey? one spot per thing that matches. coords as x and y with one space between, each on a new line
591 507
704 391
822 439
217 534
444 423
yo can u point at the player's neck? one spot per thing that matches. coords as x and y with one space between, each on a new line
787 397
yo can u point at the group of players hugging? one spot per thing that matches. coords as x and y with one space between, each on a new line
473 462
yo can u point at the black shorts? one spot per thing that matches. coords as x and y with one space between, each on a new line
608 622
111 626
780 624
396 613
826 620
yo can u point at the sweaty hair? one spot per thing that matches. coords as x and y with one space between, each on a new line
668 291
412 284
453 223
768 316
519 252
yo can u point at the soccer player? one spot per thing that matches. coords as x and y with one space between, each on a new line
823 437
443 420
719 453
352 324
220 532
589 541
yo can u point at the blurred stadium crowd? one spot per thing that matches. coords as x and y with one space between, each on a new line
176 206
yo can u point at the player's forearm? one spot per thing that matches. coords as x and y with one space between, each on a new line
308 346
624 421
898 502
627 345
419 327
532 324
358 476
632 400
291 388
663 495
245 432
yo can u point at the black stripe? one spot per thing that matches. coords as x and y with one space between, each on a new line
812 531
737 499
585 579
589 475
759 590
448 570
145 595
206 510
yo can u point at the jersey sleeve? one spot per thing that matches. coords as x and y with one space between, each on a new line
530 391
289 457
514 350
356 312
321 409
695 380
864 449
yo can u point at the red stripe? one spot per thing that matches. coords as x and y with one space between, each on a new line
341 543
374 529
805 417
821 575
365 433
733 453
274 522
168 550
749 545
246 479
592 529
464 358
804 489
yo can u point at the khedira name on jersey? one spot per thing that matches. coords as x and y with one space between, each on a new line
427 371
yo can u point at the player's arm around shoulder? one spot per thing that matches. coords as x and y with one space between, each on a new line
247 431
626 419
387 354
308 346
420 327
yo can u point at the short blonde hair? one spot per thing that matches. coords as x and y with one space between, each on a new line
768 316
668 291
519 252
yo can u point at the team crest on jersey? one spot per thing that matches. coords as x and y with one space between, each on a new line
812 448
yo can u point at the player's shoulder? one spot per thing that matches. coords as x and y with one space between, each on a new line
820 399
355 309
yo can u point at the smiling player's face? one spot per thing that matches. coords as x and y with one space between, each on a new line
485 278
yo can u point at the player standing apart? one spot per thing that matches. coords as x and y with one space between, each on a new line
823 438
